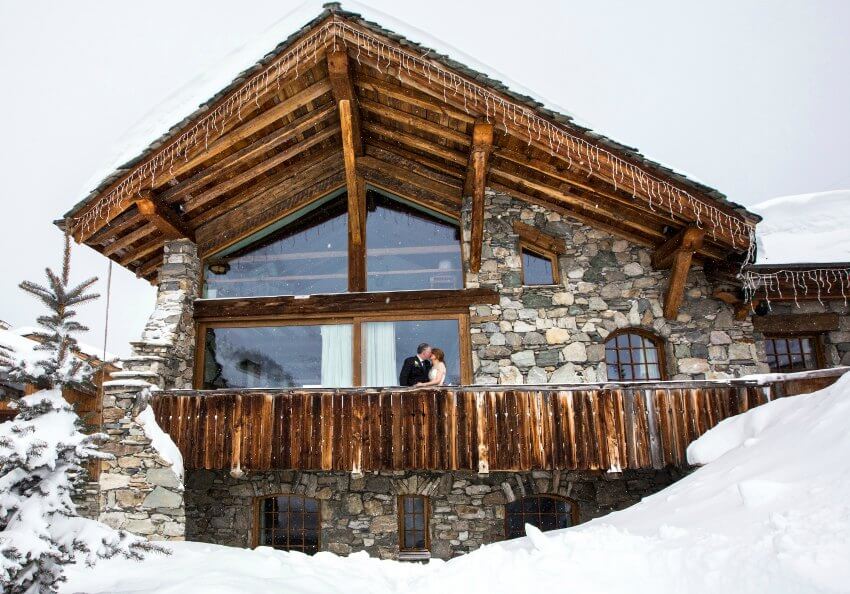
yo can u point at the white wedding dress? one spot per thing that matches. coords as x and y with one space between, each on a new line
440 368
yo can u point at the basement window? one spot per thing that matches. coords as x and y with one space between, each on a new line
289 523
634 355
546 512
413 523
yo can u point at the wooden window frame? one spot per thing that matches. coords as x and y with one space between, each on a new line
658 341
574 511
427 522
817 342
257 510
357 321
540 253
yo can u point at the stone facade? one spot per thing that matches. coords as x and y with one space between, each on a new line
359 513
556 333
165 354
139 491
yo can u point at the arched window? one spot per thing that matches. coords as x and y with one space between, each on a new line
289 523
634 355
546 512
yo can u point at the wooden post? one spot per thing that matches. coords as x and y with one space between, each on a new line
476 182
356 189
676 253
481 433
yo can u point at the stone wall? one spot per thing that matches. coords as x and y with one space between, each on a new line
556 333
139 490
165 354
359 513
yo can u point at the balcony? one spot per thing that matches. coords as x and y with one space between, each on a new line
612 426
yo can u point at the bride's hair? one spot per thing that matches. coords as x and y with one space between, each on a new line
439 354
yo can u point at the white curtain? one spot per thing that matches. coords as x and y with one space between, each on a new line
336 356
380 354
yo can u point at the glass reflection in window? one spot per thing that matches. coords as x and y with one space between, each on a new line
290 523
387 344
305 255
278 357
409 249
536 269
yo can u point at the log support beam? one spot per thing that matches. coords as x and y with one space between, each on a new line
356 189
676 253
164 218
476 182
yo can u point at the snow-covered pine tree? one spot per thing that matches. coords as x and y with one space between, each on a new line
42 452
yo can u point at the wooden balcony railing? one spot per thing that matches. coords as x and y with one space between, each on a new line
476 428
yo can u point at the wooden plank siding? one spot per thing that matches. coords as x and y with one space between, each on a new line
474 428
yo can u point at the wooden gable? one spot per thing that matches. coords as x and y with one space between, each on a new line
343 104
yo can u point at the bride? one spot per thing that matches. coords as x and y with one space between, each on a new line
437 375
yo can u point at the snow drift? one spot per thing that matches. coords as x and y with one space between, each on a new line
769 512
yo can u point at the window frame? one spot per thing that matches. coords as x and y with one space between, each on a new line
401 518
817 342
574 511
257 504
540 253
660 347
357 321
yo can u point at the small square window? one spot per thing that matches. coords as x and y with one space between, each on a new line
538 268
792 353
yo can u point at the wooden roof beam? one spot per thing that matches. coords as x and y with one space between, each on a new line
356 193
164 218
677 253
475 184
342 87
129 239
689 238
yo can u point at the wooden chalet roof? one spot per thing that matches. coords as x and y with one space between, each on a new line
272 141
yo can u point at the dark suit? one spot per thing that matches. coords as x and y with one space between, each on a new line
414 371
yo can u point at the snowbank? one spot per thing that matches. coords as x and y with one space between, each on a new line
769 512
807 228
161 441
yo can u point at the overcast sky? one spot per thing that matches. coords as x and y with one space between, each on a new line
749 97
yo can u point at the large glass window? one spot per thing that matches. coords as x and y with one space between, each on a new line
546 512
791 353
633 356
305 254
278 357
289 523
387 344
408 248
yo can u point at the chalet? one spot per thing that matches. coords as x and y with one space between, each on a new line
355 194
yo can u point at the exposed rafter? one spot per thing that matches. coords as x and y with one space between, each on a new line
164 218
342 87
474 186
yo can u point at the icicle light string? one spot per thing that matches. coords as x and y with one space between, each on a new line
335 32
823 281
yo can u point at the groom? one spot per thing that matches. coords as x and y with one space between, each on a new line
415 369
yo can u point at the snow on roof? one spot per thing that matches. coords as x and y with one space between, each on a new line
806 228
86 349
22 350
185 102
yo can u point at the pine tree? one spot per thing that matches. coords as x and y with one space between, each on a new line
42 453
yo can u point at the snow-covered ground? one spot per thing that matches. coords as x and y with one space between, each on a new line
804 228
769 512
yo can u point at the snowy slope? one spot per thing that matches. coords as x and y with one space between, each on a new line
769 512
804 228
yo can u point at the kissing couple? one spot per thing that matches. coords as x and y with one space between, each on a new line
426 368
